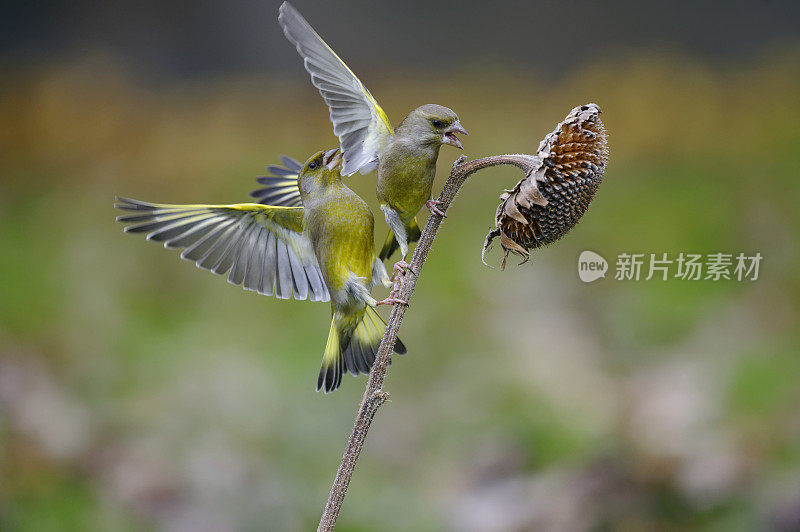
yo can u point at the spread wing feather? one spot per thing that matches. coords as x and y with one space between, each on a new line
359 122
281 185
261 247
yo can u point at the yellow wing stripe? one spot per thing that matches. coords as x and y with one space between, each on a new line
263 247
360 123
378 109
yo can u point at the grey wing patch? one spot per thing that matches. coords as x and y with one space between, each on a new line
255 263
284 285
281 184
252 248
299 278
317 289
359 122
242 255
268 278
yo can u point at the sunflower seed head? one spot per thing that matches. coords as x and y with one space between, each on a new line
556 192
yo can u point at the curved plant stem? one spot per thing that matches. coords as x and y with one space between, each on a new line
374 396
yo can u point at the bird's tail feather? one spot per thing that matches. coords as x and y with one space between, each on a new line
391 244
352 344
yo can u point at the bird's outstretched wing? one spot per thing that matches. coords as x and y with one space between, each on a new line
359 122
262 246
281 185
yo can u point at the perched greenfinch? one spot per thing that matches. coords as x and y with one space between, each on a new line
405 157
321 248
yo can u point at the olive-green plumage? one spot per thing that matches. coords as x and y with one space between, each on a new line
407 168
340 226
405 157
321 248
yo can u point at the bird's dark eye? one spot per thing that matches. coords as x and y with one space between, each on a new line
312 165
437 123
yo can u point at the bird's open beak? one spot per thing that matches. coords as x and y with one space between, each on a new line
449 136
332 158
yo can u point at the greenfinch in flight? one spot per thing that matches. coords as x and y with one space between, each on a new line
319 248
405 157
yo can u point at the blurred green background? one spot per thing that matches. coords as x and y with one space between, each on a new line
138 392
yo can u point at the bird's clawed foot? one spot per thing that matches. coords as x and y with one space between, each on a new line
398 276
399 269
431 204
391 300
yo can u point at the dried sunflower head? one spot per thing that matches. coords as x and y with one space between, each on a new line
560 183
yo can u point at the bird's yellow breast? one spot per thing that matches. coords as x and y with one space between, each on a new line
405 178
341 229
